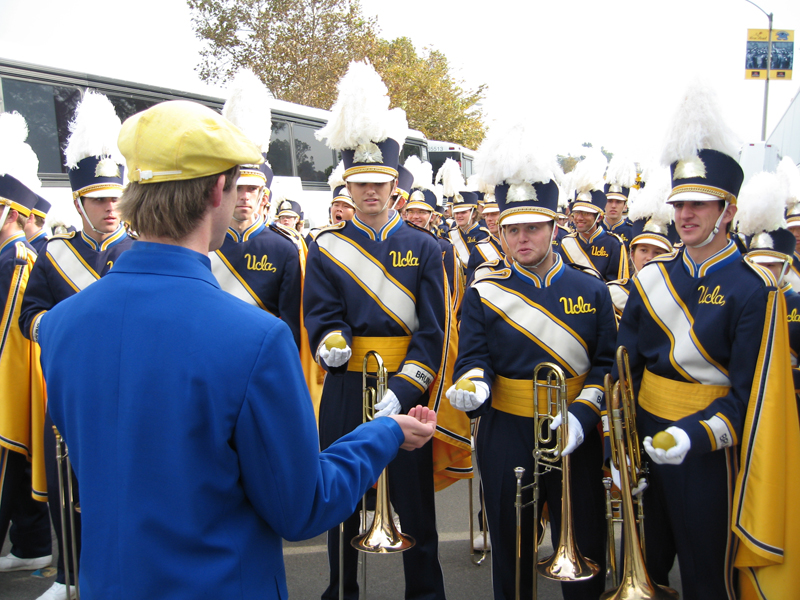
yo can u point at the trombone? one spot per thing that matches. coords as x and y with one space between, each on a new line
636 583
69 507
383 536
477 558
566 563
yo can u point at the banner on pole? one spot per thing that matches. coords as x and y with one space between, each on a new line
782 54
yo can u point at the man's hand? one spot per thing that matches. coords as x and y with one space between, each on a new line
637 489
388 406
418 426
466 400
335 357
673 456
575 431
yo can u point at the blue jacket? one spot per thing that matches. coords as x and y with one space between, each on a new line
192 433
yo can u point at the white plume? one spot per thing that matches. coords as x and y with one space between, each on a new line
337 176
247 107
761 204
361 112
478 183
512 153
651 201
93 131
588 174
696 125
450 176
16 157
621 171
565 190
789 177
422 172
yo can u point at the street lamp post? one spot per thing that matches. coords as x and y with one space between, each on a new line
769 66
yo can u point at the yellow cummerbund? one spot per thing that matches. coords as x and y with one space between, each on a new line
673 400
392 350
514 396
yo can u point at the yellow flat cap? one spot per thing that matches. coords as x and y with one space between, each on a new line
178 140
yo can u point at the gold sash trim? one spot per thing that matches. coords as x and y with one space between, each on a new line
514 396
673 400
393 351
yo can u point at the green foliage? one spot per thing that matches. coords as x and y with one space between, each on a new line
301 48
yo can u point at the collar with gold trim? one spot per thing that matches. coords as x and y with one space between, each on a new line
389 229
13 239
553 274
113 239
729 254
252 231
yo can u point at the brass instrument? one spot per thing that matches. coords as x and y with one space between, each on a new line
636 583
68 509
566 563
383 536
477 561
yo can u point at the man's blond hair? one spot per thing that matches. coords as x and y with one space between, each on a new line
170 209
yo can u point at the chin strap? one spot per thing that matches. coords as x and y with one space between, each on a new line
6 210
85 216
784 269
714 233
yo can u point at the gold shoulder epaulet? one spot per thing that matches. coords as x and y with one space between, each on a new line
418 228
62 236
765 274
665 257
331 227
491 270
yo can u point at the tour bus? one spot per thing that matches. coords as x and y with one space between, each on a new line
47 98
441 151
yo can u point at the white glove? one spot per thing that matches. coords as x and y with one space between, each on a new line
389 406
673 456
335 357
466 400
575 431
640 487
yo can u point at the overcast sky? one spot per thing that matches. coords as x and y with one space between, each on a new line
602 72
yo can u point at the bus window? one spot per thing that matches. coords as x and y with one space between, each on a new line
127 106
48 110
412 150
279 154
314 158
466 166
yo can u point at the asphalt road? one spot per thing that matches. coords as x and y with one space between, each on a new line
307 568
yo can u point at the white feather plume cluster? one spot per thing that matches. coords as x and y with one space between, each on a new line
621 171
789 177
93 131
17 158
651 201
478 183
421 171
247 107
697 125
336 178
589 174
361 112
512 152
761 204
450 176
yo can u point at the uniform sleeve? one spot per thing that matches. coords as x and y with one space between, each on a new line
424 356
323 306
38 296
289 298
590 403
300 491
474 360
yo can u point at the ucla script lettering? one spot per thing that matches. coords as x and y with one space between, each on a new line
713 297
599 251
398 260
793 317
576 307
256 264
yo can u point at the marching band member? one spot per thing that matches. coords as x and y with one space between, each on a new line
789 176
651 216
73 261
489 249
702 331
466 231
534 309
19 358
590 245
257 263
193 434
34 226
620 178
377 282
342 207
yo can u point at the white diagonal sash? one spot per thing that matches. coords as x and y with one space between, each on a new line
489 252
70 265
230 281
575 253
460 245
388 293
619 296
536 322
793 278
685 350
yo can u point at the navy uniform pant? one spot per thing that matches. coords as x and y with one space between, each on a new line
687 511
411 492
54 503
505 442
30 525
